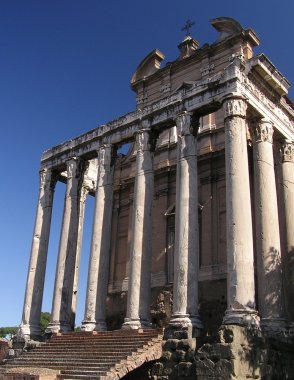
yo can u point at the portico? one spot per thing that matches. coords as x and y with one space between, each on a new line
191 141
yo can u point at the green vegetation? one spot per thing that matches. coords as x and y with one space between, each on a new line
45 319
10 331
4 331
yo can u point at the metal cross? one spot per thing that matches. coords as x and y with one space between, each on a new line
187 26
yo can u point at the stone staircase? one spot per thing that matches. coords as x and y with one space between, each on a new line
90 355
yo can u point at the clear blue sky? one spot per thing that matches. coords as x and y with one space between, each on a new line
65 67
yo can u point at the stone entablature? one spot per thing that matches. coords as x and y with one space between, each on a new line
200 96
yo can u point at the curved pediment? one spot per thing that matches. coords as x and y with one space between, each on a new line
148 66
227 26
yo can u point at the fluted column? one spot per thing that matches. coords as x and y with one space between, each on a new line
139 287
62 314
240 262
186 253
95 308
30 324
269 269
287 187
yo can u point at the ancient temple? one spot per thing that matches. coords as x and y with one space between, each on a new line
193 226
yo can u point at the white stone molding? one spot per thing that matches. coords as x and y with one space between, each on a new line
95 307
186 250
138 303
240 262
268 250
30 324
62 316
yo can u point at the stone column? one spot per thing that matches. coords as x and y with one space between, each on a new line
30 324
95 308
62 315
240 262
186 253
139 286
83 196
287 187
269 270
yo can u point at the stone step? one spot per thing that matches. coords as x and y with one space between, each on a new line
87 356
78 377
62 367
82 361
78 350
95 342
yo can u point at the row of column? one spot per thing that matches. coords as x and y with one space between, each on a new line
241 285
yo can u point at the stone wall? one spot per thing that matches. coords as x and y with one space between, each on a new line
237 353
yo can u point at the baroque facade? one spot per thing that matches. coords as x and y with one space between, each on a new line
193 228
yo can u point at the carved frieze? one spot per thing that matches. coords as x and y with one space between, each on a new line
208 69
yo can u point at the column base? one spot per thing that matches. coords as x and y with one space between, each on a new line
88 325
187 322
94 326
27 331
135 324
241 317
273 325
54 328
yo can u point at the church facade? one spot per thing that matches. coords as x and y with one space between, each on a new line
193 226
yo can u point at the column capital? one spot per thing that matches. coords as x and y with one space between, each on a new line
104 154
145 140
262 130
287 151
184 123
47 178
74 167
235 107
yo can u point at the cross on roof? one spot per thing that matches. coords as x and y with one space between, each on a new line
187 26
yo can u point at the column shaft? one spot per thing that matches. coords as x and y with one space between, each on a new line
83 196
287 188
139 287
269 271
95 308
240 264
62 315
30 324
186 253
